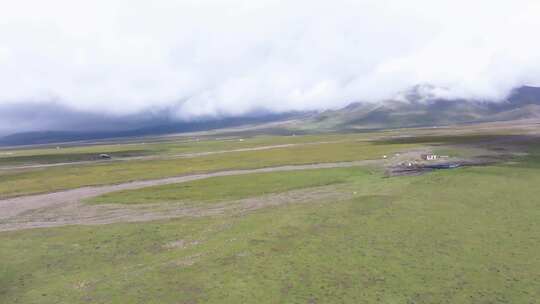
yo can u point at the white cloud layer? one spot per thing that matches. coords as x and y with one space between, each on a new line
213 57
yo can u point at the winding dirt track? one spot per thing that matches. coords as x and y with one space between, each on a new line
14 207
152 157
148 157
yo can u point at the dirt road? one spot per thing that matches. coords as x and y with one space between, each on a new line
22 206
173 156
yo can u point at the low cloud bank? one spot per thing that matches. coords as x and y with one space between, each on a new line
204 58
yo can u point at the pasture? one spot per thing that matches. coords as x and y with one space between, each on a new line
467 235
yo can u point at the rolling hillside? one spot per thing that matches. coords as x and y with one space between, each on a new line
417 110
414 108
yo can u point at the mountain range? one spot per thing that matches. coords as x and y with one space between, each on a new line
416 107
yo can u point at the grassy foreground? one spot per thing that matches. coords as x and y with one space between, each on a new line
469 235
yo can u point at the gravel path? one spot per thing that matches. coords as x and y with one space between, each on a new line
13 207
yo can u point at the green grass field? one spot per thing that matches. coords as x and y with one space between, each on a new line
165 147
67 177
463 236
468 235
218 189
25 160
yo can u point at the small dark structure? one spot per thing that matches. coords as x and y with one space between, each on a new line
105 156
443 166
409 168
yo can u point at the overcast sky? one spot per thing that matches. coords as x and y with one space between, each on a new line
228 57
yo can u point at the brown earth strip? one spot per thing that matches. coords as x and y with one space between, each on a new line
66 207
77 213
14 207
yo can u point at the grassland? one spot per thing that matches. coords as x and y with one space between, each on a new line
469 235
164 147
26 160
226 188
462 236
59 178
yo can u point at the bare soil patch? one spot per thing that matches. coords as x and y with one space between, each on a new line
77 213
65 207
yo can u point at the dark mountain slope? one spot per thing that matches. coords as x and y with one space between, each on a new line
420 110
165 127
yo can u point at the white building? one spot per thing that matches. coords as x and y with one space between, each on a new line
429 157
